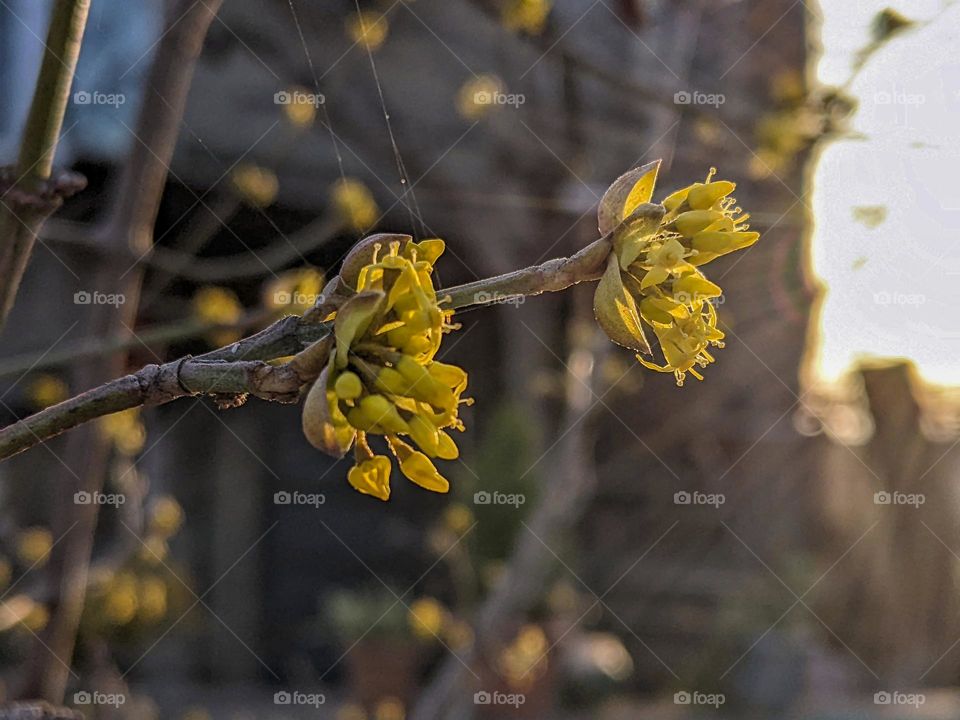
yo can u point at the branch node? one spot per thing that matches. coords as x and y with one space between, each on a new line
43 196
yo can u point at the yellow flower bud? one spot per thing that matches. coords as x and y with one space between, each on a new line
424 434
392 382
375 412
418 344
348 386
399 337
425 386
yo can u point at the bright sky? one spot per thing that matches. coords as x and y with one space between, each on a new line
887 207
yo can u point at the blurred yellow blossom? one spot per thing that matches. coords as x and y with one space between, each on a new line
351 711
368 28
458 518
389 709
299 105
38 617
120 599
33 545
426 617
152 600
458 634
355 204
125 430
45 390
21 610
525 658
218 305
294 291
477 96
529 16
166 516
153 550
257 185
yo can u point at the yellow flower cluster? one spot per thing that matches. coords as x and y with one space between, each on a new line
381 378
653 275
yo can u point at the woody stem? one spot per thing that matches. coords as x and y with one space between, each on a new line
240 368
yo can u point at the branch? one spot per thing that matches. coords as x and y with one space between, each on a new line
156 385
551 276
240 368
32 190
244 265
135 200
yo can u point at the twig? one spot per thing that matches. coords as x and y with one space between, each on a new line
241 374
243 265
156 385
31 190
551 276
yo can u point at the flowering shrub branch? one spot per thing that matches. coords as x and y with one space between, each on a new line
363 356
241 368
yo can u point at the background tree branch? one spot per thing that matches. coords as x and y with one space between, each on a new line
30 191
135 203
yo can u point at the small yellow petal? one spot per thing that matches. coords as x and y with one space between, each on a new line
704 196
424 434
372 477
693 287
417 467
447 449
693 221
654 277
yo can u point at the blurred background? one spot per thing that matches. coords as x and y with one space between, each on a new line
780 540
